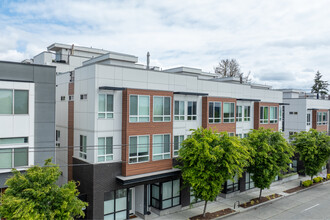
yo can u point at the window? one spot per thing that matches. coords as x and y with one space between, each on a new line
291 133
319 118
83 147
62 98
15 140
232 186
263 115
247 113
214 112
165 195
293 113
13 157
228 112
161 147
83 96
115 204
139 108
239 113
245 135
308 119
71 97
162 108
138 149
325 118
294 165
192 111
272 115
177 144
280 113
105 106
239 135
105 149
249 184
57 138
14 101
179 110
193 199
231 134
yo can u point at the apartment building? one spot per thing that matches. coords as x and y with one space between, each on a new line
125 121
27 116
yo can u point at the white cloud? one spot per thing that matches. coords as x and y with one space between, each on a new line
266 37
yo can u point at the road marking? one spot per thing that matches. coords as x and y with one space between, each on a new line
311 207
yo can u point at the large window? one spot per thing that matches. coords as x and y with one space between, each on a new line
105 149
83 147
138 149
308 119
165 195
214 112
162 108
139 108
105 106
15 140
177 144
263 115
161 147
115 205
192 111
273 115
228 112
319 118
239 113
247 113
325 118
232 186
13 157
14 101
179 110
249 184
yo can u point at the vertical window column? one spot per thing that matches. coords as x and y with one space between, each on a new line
192 111
179 110
247 113
83 147
177 144
239 114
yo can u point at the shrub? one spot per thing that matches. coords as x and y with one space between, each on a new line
252 202
307 183
328 176
317 179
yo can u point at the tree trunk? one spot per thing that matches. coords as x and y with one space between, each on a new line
204 209
260 194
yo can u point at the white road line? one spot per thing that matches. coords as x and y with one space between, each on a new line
311 207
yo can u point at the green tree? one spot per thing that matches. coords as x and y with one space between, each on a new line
320 86
208 160
35 195
313 148
270 154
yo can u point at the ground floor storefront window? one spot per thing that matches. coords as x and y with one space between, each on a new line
249 184
231 186
115 205
166 194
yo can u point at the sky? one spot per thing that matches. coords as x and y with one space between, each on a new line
282 43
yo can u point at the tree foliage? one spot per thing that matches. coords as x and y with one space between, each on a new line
230 68
313 148
320 86
208 160
35 195
270 154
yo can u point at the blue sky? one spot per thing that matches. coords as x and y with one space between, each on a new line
283 43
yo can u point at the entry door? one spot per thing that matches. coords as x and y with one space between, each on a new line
131 201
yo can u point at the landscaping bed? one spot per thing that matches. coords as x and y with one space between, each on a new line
298 188
213 215
257 201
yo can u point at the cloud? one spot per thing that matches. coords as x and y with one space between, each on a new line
275 40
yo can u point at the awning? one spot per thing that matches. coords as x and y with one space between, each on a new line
191 93
110 88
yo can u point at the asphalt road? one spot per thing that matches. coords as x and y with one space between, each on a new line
310 204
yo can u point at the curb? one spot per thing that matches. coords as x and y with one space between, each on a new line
270 201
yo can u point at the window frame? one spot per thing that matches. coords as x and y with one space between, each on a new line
137 149
263 120
230 119
325 119
308 119
241 117
160 199
13 101
275 115
192 117
319 118
212 120
82 147
175 152
163 147
247 118
105 150
179 117
114 213
161 116
83 96
138 116
12 152
106 112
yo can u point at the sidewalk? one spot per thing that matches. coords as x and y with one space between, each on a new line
223 203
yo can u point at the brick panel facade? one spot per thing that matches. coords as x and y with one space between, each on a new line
257 123
229 127
314 120
144 128
70 131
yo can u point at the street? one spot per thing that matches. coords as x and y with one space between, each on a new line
310 204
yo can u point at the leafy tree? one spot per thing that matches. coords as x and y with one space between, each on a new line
320 86
270 154
208 160
313 148
231 68
35 195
